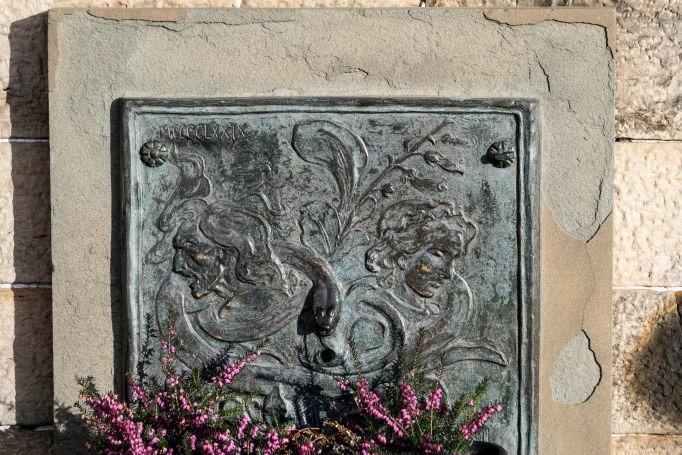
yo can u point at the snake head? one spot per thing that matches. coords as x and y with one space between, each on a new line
326 306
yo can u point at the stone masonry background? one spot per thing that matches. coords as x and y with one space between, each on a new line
647 215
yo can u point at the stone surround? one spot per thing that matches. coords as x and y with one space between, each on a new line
647 109
342 52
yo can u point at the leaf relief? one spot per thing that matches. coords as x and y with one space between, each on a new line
334 147
320 225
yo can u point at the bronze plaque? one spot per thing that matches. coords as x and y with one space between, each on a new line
344 235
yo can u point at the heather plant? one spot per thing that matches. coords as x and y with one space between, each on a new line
194 412
185 413
409 417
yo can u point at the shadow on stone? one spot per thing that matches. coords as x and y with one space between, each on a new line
27 86
26 94
487 448
656 376
25 441
118 310
70 434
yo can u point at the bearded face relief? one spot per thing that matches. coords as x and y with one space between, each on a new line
198 259
337 237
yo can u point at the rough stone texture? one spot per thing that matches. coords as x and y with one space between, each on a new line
647 56
648 214
647 380
23 69
25 442
576 295
23 57
649 69
631 444
25 357
24 213
576 372
418 52
330 3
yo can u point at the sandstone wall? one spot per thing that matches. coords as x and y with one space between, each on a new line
647 380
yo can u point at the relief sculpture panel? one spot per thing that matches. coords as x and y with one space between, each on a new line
343 237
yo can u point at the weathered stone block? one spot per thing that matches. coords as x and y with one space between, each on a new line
649 69
23 57
25 442
648 214
345 53
647 55
25 357
647 354
330 3
646 444
24 213
23 69
576 372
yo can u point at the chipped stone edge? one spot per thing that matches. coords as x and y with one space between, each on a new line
596 362
602 17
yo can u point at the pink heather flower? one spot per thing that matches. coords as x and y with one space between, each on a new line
382 438
306 448
227 375
367 447
434 400
469 429
200 419
274 442
243 423
172 381
428 446
168 347
184 402
342 384
137 392
410 411
192 441
371 404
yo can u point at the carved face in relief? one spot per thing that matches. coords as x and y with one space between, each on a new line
428 269
226 246
198 259
418 242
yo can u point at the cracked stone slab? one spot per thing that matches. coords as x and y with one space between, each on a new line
459 54
576 372
647 44
647 354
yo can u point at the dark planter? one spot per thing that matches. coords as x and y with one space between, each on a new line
487 448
